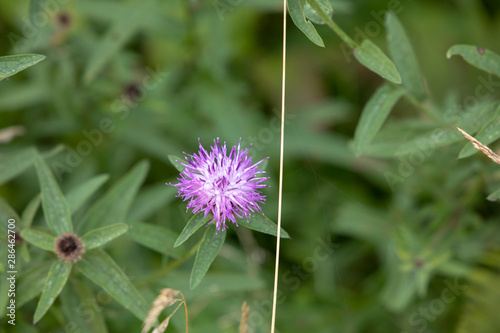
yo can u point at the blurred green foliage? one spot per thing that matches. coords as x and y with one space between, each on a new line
390 230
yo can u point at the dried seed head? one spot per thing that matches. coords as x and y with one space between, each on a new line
69 247
167 297
478 145
244 317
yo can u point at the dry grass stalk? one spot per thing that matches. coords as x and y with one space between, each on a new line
164 324
9 133
166 298
478 145
244 317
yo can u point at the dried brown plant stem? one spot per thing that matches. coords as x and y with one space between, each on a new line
166 298
244 317
478 145
280 189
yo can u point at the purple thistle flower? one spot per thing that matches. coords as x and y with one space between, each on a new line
225 186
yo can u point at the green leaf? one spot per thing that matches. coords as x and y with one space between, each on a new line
77 196
483 59
488 134
404 57
122 29
296 10
4 290
173 159
114 205
495 196
480 293
58 275
150 142
150 200
55 207
30 211
78 296
313 16
101 236
372 57
214 283
373 116
208 250
261 223
398 291
363 222
193 224
35 8
6 213
12 165
10 65
31 282
100 268
155 237
39 239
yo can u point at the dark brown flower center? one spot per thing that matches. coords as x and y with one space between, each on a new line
69 247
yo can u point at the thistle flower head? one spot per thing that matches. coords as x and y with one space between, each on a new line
226 186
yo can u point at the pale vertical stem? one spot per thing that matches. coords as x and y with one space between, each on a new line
280 189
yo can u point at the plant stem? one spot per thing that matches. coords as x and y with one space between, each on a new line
328 20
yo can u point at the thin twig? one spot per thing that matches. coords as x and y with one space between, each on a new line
280 190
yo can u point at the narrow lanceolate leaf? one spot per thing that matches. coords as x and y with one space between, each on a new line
483 59
16 163
489 133
175 162
58 275
11 65
404 57
313 16
55 207
39 239
115 37
101 236
149 200
114 205
194 224
495 196
208 250
372 57
31 282
30 211
79 296
155 237
6 213
261 223
77 196
103 271
296 10
373 116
